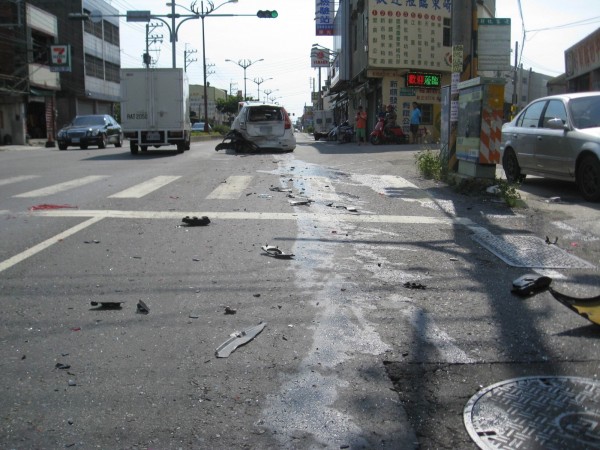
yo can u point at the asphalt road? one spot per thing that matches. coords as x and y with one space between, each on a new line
385 322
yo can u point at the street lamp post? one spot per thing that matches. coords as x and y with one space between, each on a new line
244 64
269 92
258 82
202 13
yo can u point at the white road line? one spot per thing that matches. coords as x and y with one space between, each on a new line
139 190
6 264
17 179
62 186
245 215
231 189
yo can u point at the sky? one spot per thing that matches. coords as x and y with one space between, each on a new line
284 43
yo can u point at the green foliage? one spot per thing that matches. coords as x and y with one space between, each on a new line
221 129
228 106
429 164
509 192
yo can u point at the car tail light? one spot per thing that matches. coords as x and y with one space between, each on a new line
288 122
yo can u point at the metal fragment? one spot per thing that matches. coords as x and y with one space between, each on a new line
238 339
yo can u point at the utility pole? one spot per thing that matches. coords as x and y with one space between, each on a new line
151 39
186 57
464 14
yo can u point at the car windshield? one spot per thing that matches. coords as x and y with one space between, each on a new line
89 120
585 111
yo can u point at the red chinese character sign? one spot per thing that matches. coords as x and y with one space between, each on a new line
324 14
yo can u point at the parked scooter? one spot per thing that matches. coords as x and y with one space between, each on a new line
395 135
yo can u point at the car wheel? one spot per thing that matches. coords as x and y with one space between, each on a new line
119 142
588 178
62 146
180 148
133 148
144 148
511 167
83 146
102 143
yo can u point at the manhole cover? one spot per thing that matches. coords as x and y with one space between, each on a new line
550 413
529 251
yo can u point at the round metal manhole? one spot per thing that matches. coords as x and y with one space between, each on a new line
550 413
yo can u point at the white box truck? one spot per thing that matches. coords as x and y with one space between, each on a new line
322 123
155 108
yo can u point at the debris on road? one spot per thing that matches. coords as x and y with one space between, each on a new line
45 206
276 252
238 339
95 241
107 304
195 221
62 366
230 310
585 307
279 189
413 285
142 308
549 242
530 284
300 202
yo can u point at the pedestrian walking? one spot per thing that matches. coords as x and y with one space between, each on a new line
415 122
361 125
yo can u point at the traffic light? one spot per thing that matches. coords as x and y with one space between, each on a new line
266 14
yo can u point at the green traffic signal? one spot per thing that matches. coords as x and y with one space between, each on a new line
266 14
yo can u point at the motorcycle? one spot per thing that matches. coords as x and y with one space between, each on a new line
395 135
342 133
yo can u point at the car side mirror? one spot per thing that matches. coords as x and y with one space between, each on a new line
557 124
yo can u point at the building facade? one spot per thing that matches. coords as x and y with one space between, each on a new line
55 68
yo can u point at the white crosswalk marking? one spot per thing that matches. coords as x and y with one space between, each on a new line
60 187
17 179
232 188
139 190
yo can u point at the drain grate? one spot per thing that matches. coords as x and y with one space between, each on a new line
529 251
550 413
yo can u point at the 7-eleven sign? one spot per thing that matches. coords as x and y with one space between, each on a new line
60 58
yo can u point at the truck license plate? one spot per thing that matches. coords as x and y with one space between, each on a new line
153 136
75 140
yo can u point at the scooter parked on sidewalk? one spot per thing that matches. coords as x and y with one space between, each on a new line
394 135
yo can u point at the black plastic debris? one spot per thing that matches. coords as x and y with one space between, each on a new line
276 252
142 308
549 242
530 284
196 221
237 339
62 366
234 140
107 304
413 285
279 189
229 310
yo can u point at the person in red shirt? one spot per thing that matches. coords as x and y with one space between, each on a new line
361 125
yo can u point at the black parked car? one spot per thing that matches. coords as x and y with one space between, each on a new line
99 129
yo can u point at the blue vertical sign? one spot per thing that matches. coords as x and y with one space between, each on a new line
324 17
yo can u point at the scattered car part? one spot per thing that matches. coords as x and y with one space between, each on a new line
279 189
548 241
195 221
585 307
530 284
234 140
229 310
300 202
239 338
413 285
275 251
107 304
142 308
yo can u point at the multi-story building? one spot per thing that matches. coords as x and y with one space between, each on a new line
197 103
582 64
27 85
55 68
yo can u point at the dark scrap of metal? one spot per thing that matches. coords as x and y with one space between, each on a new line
585 307
548 241
142 308
196 221
229 310
275 251
413 285
107 304
238 339
530 284
235 141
